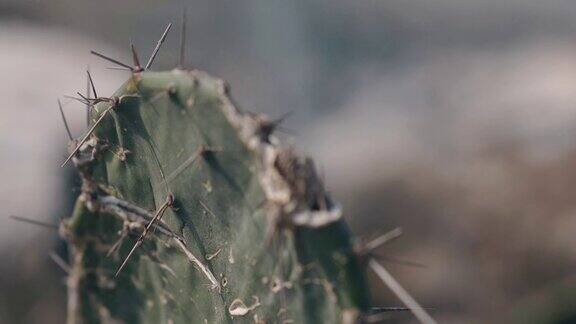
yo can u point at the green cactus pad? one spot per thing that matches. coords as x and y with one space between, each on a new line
250 237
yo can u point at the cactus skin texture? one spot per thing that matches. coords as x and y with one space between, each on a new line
251 236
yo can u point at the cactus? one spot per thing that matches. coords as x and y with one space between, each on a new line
191 211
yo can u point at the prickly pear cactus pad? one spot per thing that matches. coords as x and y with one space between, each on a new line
226 225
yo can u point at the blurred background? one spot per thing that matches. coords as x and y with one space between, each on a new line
454 120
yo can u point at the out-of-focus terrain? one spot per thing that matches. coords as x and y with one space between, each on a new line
455 120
